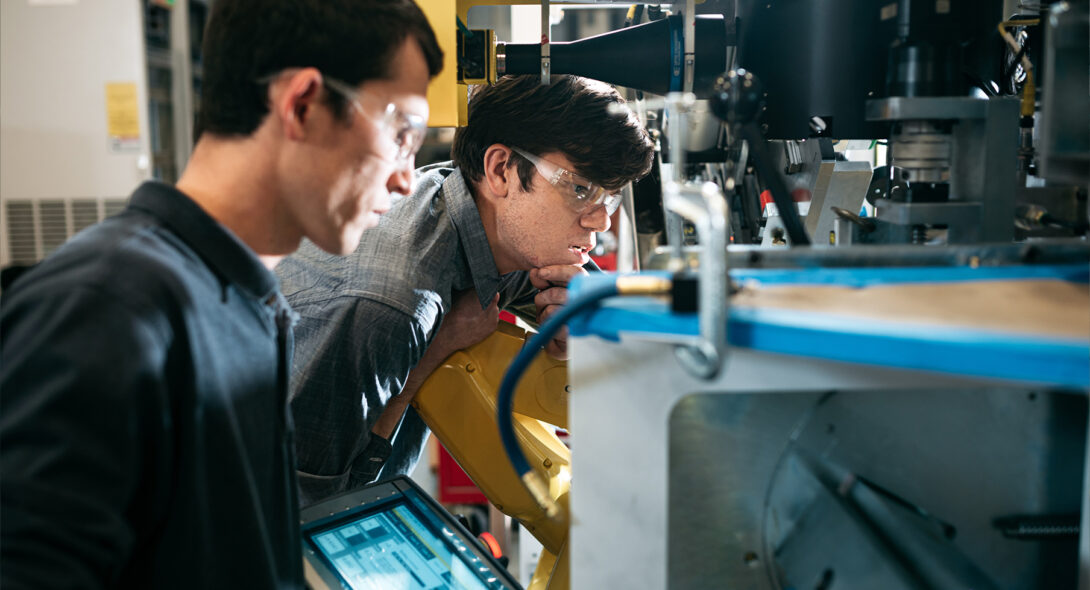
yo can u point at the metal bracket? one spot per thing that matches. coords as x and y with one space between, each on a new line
963 213
899 108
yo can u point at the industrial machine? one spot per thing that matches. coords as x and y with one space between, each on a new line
831 372
865 376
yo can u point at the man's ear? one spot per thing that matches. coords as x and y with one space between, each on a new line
497 176
293 99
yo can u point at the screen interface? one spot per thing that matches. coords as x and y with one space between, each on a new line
401 548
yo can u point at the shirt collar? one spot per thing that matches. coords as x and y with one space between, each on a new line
221 250
467 220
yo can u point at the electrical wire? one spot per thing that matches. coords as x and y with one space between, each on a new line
1029 89
591 297
506 397
1009 71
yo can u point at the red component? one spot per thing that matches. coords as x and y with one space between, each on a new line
800 195
492 544
766 198
506 316
455 487
606 261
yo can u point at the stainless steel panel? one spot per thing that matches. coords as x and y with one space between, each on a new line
872 489
622 396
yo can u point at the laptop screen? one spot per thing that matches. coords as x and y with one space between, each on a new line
391 535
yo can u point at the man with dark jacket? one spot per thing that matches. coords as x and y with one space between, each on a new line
145 439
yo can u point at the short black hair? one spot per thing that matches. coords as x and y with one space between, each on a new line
572 115
350 40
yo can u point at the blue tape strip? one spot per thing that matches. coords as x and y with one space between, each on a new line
865 277
977 353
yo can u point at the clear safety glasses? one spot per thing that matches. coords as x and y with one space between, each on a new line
582 194
406 130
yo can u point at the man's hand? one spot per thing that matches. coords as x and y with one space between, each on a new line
466 323
552 281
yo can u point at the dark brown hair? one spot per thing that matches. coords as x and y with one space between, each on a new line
247 40
575 116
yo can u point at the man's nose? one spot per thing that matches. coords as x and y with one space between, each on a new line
401 180
596 219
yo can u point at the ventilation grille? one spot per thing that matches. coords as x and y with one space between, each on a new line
37 227
21 241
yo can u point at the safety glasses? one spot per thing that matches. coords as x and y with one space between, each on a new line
582 194
407 131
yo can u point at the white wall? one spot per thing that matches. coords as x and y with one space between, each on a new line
56 57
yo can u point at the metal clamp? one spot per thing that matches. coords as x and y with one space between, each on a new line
706 207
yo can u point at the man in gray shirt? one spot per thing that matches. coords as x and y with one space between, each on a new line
510 221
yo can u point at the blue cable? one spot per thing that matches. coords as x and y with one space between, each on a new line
506 397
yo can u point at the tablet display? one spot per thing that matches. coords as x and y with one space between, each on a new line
399 541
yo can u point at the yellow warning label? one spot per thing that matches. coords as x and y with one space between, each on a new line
122 111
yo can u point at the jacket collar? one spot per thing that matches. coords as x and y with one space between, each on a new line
228 257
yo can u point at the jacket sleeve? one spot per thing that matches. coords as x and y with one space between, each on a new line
82 406
351 356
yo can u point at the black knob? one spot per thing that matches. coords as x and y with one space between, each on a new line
738 97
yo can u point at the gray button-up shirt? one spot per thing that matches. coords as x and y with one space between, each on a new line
366 320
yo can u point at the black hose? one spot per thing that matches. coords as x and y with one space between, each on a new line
1009 71
789 213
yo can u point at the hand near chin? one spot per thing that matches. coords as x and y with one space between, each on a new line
467 324
552 281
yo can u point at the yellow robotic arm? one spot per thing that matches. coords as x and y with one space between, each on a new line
447 94
458 403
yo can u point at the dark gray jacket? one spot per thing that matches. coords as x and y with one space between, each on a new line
144 437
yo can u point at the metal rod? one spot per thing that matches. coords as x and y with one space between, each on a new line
546 66
689 32
627 247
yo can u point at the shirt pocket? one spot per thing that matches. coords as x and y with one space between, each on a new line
314 488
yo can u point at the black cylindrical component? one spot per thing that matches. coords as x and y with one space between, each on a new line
820 59
739 97
925 59
924 68
648 57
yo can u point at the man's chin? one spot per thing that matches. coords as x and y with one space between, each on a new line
338 248
341 245
569 259
351 237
